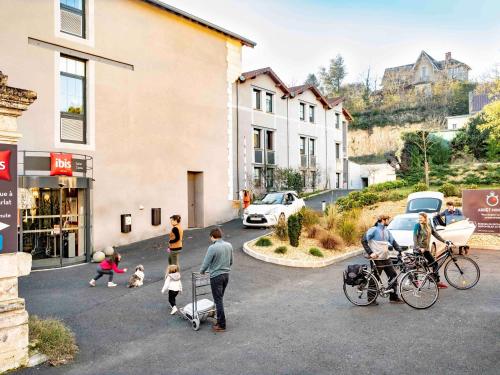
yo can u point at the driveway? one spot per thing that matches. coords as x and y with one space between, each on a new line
280 321
328 197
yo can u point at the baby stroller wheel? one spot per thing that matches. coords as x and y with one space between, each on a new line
196 324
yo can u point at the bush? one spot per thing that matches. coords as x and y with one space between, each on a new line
331 241
264 242
315 231
347 229
392 196
281 229
449 190
388 185
331 216
471 186
294 229
315 252
52 338
367 199
281 250
420 187
309 217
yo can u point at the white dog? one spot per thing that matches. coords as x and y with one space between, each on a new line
137 279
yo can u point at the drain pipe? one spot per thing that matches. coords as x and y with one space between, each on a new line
326 152
240 78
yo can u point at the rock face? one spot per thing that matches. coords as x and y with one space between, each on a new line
378 140
13 316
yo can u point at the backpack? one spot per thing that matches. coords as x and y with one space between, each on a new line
353 275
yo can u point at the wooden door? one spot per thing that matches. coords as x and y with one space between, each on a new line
191 200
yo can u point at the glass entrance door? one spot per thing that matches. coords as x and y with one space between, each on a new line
53 226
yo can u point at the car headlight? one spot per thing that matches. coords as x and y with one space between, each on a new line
245 211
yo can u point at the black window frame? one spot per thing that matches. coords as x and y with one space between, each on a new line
337 150
258 100
79 12
337 120
70 115
311 113
302 111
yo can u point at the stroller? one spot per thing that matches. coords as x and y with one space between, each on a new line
198 310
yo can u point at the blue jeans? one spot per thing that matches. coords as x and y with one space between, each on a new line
218 285
101 273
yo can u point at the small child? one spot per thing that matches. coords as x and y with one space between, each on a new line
173 285
106 267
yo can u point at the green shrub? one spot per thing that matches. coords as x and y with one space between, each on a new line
281 229
347 229
264 242
281 250
367 199
52 338
471 186
294 229
309 217
392 196
315 252
449 190
388 185
420 187
331 241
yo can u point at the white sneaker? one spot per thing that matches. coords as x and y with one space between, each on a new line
92 282
111 284
174 310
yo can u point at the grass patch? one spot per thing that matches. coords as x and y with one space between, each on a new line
281 250
264 242
316 252
52 338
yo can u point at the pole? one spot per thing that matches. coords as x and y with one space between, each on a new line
60 228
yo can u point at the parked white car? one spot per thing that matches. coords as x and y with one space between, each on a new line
266 212
431 202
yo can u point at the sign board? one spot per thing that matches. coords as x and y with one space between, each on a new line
482 207
8 198
61 164
43 163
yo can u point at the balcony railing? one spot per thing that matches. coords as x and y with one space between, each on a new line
258 156
270 157
303 161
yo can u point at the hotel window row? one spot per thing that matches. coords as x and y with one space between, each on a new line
257 100
302 112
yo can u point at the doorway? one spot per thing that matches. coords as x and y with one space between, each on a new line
195 199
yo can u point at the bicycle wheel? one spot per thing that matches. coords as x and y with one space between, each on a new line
418 289
461 272
363 294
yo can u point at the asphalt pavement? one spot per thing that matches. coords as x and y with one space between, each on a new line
279 320
328 197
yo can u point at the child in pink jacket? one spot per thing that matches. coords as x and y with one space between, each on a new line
107 267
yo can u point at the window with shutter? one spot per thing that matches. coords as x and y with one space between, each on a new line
73 17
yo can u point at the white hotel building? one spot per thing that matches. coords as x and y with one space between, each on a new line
276 126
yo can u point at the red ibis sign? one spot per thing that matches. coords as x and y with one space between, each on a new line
61 164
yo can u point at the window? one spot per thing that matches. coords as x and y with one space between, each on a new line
337 150
269 140
313 180
337 180
337 120
302 112
256 138
269 102
72 100
269 178
454 126
311 113
257 177
256 100
302 146
423 73
312 149
73 17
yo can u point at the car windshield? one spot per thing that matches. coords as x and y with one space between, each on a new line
402 223
424 204
271 198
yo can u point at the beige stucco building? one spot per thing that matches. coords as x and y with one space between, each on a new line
140 88
287 127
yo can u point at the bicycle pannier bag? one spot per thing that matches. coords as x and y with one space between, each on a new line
353 275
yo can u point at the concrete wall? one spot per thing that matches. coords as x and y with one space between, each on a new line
457 122
168 116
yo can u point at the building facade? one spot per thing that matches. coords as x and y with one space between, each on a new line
276 126
119 106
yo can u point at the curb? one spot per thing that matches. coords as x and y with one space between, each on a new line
298 263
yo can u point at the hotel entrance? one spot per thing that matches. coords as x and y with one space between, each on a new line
54 219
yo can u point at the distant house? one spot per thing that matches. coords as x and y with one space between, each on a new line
457 122
425 70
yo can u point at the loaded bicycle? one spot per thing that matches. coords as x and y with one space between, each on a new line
417 288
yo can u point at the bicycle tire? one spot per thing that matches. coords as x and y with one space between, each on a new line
460 268
362 291
418 289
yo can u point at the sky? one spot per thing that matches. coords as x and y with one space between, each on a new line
296 37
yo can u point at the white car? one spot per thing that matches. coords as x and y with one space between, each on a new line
425 201
266 212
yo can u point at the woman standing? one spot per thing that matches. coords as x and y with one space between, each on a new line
422 233
175 240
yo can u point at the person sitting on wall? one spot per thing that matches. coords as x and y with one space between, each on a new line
175 240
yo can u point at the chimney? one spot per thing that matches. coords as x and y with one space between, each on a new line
447 57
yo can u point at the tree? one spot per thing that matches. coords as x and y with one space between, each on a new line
331 78
312 80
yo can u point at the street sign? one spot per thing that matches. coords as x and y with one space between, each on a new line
8 198
483 208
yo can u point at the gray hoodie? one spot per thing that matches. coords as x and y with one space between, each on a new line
172 282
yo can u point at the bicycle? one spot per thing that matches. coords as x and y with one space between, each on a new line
417 289
460 271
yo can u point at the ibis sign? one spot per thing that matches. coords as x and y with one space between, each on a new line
8 198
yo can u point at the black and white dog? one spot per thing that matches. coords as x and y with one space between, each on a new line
137 279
